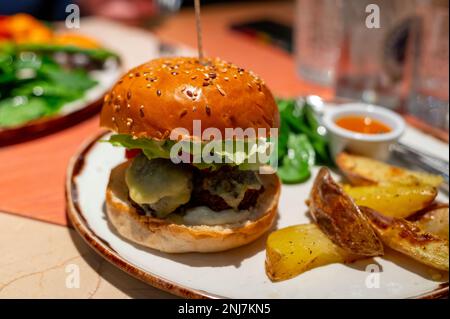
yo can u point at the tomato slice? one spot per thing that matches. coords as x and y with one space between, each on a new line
132 153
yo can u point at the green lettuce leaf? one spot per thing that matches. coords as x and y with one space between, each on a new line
245 155
15 111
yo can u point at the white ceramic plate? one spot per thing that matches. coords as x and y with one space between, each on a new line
238 273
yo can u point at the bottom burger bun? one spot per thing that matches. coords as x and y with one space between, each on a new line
174 237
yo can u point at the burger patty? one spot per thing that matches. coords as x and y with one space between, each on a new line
212 188
201 196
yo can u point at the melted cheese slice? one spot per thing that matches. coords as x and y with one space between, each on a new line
159 183
232 190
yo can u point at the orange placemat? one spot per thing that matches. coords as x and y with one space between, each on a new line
32 173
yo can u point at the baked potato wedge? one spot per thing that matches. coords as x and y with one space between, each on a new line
366 171
340 218
394 200
293 250
407 238
435 221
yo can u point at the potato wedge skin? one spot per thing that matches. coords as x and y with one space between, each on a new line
407 238
366 171
340 218
293 250
394 200
435 222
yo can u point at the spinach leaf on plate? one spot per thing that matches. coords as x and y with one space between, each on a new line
298 160
302 141
15 111
34 85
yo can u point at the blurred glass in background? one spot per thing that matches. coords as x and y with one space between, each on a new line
318 36
395 55
428 97
373 51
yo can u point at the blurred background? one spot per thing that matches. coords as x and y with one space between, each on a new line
55 72
395 55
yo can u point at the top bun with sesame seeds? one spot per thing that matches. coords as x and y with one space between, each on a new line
159 96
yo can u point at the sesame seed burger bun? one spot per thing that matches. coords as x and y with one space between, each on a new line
156 97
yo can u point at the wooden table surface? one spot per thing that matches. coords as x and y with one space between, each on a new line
32 173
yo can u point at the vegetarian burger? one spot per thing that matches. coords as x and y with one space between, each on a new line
180 203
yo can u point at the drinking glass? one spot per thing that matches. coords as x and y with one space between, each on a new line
429 90
318 33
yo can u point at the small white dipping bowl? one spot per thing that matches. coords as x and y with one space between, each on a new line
376 146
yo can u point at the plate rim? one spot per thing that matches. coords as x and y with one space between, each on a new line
103 248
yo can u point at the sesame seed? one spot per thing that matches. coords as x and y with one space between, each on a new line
249 85
205 83
137 74
174 73
212 75
148 86
116 107
221 91
226 78
141 111
193 77
183 113
158 92
189 93
129 122
129 94
128 105
208 110
130 75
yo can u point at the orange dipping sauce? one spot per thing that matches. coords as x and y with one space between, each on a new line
363 124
